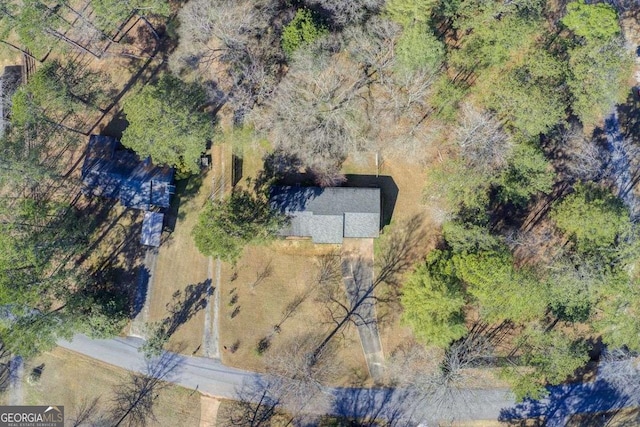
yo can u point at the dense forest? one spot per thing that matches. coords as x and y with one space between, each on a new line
503 101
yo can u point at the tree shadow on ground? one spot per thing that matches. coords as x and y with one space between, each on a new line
184 305
565 401
141 290
256 404
629 116
399 249
134 398
116 125
386 407
186 190
143 73
6 361
282 168
119 264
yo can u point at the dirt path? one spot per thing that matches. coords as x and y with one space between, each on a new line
209 411
211 340
358 277
143 293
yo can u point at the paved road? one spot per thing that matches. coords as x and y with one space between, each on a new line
617 386
211 377
207 375
610 391
358 277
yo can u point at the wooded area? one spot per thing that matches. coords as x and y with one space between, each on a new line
503 102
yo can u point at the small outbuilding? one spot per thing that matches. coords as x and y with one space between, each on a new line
152 229
328 215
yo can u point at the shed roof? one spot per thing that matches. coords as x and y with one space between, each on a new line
152 229
327 215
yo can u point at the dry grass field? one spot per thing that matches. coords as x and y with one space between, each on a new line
249 312
624 418
410 179
72 380
181 270
253 303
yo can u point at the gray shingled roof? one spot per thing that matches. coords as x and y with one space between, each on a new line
152 229
119 174
327 215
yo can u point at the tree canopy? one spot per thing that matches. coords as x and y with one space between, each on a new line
166 122
592 21
592 217
301 31
225 227
496 100
433 302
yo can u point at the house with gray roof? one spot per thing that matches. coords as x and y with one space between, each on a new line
328 215
119 174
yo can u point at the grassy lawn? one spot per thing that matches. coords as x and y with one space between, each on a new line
410 179
251 307
71 380
253 302
181 270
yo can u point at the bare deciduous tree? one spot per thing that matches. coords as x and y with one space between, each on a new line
623 6
400 249
620 367
134 399
445 381
398 252
329 269
313 114
411 359
262 274
88 413
584 158
534 243
396 101
5 367
347 100
256 406
344 12
236 35
483 143
302 371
